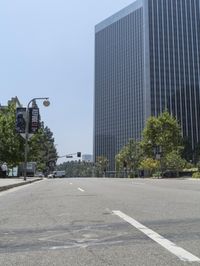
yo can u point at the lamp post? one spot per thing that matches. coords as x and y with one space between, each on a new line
46 104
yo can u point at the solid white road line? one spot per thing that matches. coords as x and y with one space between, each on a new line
181 253
82 190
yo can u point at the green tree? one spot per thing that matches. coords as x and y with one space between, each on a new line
77 169
101 164
174 162
11 144
150 165
42 149
161 134
41 145
129 157
120 161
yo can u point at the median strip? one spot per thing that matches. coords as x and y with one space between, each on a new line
181 253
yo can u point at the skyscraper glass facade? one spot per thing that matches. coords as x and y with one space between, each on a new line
146 60
174 62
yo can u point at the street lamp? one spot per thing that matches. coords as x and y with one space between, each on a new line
46 103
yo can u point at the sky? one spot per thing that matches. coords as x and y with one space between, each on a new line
47 50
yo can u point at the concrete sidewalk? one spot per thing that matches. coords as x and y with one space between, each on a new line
7 183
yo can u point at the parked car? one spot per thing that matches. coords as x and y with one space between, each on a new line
39 174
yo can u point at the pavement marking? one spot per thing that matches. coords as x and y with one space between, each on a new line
181 253
70 183
62 214
84 245
82 190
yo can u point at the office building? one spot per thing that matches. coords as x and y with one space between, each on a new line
146 61
87 158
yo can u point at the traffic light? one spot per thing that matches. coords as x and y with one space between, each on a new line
78 154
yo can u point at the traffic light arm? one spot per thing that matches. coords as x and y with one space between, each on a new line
78 154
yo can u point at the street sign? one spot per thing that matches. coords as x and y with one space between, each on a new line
24 135
33 119
20 124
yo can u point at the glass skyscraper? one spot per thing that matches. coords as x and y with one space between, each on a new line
146 61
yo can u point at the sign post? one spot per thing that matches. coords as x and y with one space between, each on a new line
27 123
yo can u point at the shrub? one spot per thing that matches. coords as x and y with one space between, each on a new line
194 169
196 175
149 165
131 175
157 175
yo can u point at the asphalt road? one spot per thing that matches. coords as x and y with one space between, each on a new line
93 222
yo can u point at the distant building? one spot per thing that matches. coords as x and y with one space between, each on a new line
147 59
14 100
87 158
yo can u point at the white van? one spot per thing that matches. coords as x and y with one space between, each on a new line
59 173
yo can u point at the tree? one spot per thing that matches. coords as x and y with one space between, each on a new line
174 162
102 164
41 145
129 157
11 144
150 165
77 169
120 161
161 135
42 149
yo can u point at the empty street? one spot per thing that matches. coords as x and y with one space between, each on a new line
101 221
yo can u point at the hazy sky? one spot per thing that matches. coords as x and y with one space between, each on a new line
47 49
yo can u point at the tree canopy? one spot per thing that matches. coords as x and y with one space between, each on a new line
77 169
41 146
161 135
42 149
101 164
129 156
11 144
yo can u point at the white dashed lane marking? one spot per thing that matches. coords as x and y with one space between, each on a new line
82 190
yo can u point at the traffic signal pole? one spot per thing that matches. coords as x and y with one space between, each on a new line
70 155
26 142
46 103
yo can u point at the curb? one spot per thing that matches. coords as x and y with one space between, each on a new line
3 188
